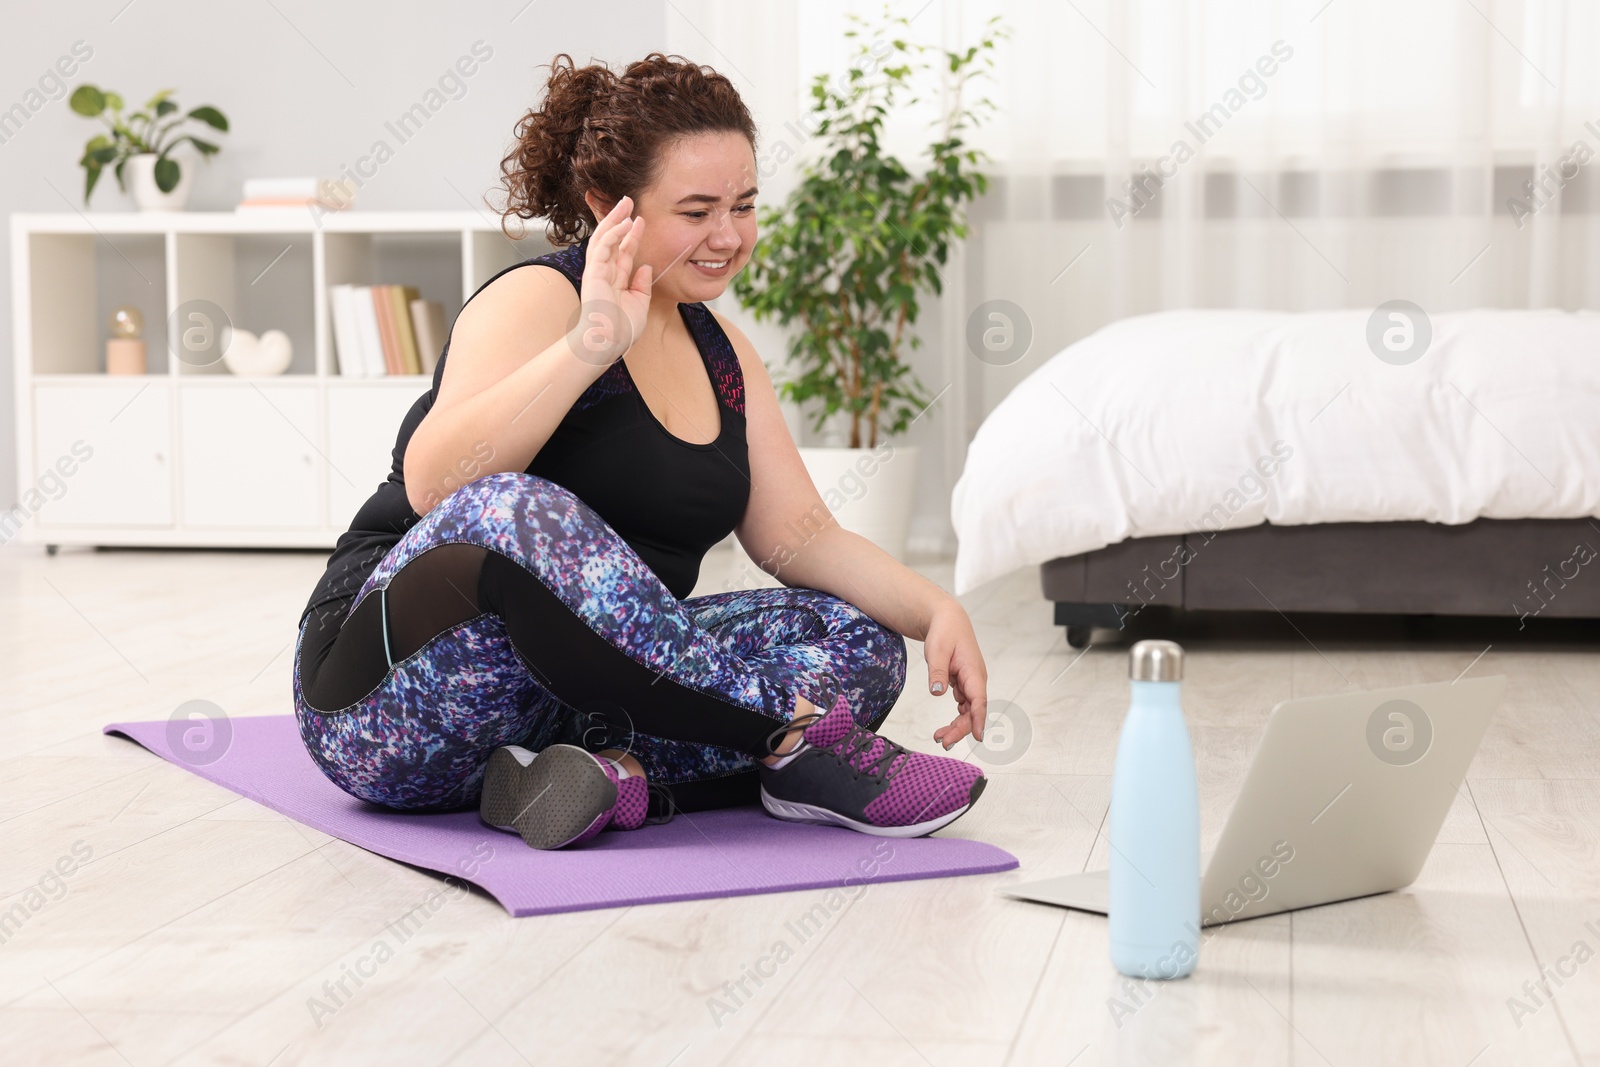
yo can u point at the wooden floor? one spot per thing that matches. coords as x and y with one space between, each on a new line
198 927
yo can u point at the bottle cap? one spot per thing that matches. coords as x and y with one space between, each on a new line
1155 661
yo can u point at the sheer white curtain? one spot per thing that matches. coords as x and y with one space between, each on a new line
1149 154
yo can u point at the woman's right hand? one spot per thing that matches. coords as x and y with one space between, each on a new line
615 298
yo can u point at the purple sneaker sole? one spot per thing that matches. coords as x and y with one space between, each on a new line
793 811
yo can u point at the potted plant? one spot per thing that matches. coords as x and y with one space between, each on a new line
160 182
845 257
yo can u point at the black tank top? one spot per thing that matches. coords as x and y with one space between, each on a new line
670 499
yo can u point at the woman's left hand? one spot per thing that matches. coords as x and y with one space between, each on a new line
956 665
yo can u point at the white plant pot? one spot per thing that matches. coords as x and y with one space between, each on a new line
868 490
141 174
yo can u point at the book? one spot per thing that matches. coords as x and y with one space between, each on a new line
400 297
427 320
287 205
371 341
350 361
326 193
262 187
386 330
341 347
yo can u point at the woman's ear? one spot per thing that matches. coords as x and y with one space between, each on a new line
599 205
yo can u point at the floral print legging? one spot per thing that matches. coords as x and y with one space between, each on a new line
565 635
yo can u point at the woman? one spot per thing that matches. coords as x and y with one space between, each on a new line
507 621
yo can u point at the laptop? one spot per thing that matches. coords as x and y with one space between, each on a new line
1344 799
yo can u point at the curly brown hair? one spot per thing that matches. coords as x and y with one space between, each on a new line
596 130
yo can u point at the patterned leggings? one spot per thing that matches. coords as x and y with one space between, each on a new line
511 613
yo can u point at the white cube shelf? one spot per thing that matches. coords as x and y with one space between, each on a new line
188 455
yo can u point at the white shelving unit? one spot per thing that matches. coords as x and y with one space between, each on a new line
190 455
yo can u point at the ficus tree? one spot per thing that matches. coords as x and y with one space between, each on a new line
848 252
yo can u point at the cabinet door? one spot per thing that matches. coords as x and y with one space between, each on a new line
363 423
251 455
125 431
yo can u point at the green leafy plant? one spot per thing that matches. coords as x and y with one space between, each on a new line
859 236
141 131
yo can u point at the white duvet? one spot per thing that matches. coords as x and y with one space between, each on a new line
1183 421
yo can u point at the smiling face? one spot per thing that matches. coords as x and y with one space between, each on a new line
701 210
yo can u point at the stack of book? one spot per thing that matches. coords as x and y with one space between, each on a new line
327 193
383 330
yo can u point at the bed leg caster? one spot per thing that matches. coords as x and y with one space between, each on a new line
1080 620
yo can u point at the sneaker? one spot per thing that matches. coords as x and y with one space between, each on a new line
844 774
561 795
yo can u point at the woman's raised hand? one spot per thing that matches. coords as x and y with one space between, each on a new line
615 298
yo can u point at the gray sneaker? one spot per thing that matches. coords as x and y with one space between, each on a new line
561 795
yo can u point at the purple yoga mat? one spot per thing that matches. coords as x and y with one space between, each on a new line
722 853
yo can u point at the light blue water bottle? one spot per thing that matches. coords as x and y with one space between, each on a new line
1154 914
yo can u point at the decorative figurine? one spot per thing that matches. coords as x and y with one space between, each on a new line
254 356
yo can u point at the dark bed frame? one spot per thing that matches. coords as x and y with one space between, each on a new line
1521 568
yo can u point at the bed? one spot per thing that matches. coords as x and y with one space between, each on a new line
1249 460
